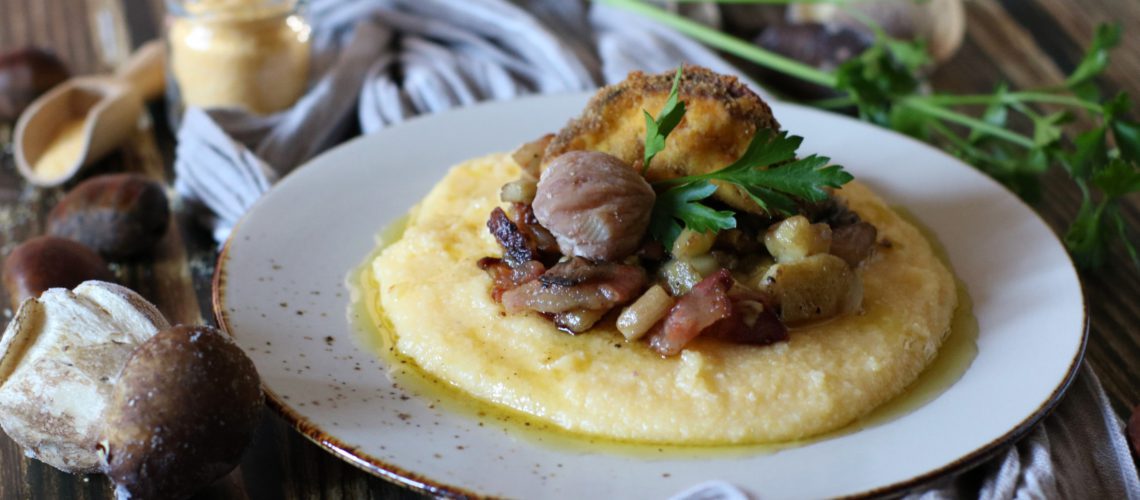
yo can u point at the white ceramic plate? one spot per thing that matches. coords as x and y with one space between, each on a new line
280 291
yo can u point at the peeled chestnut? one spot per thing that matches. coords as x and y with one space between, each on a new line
119 215
594 204
183 412
49 262
25 74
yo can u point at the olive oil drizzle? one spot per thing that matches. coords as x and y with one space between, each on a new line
375 333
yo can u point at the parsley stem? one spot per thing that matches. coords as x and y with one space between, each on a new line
729 43
1011 98
768 2
842 101
959 143
921 105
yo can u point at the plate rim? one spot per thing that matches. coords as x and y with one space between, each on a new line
416 482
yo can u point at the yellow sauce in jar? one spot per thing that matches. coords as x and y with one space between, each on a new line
250 54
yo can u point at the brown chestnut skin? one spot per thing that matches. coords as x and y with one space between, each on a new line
119 215
25 74
183 412
50 262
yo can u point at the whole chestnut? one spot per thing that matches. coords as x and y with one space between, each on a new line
183 411
118 215
25 74
49 262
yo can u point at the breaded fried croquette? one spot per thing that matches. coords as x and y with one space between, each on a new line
723 114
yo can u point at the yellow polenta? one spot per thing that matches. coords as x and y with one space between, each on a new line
444 319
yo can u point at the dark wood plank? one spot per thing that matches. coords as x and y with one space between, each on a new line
58 25
1078 20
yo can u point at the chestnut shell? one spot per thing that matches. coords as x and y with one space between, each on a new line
25 74
183 412
47 262
118 215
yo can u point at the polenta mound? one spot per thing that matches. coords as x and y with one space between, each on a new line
823 377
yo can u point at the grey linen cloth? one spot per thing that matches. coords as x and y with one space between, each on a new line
379 62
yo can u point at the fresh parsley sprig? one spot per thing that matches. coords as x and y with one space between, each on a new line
776 189
682 203
657 129
884 85
768 172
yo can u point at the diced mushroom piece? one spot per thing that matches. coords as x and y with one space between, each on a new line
705 264
813 288
636 320
680 276
579 321
519 191
796 237
691 243
752 269
595 205
738 242
854 242
529 155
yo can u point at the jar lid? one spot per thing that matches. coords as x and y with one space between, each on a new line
231 9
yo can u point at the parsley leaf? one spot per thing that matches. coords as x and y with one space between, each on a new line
1096 58
770 176
657 129
1047 129
1125 132
1098 223
1087 237
1118 179
682 203
767 171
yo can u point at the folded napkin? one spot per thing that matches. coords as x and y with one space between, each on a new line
380 62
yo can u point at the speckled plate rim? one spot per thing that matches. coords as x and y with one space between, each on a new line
414 481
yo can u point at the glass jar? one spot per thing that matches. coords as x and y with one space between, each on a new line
249 54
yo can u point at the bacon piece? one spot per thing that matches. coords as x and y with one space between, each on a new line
516 248
718 308
506 277
543 241
522 238
577 284
704 305
750 322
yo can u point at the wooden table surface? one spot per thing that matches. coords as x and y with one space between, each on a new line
1023 42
